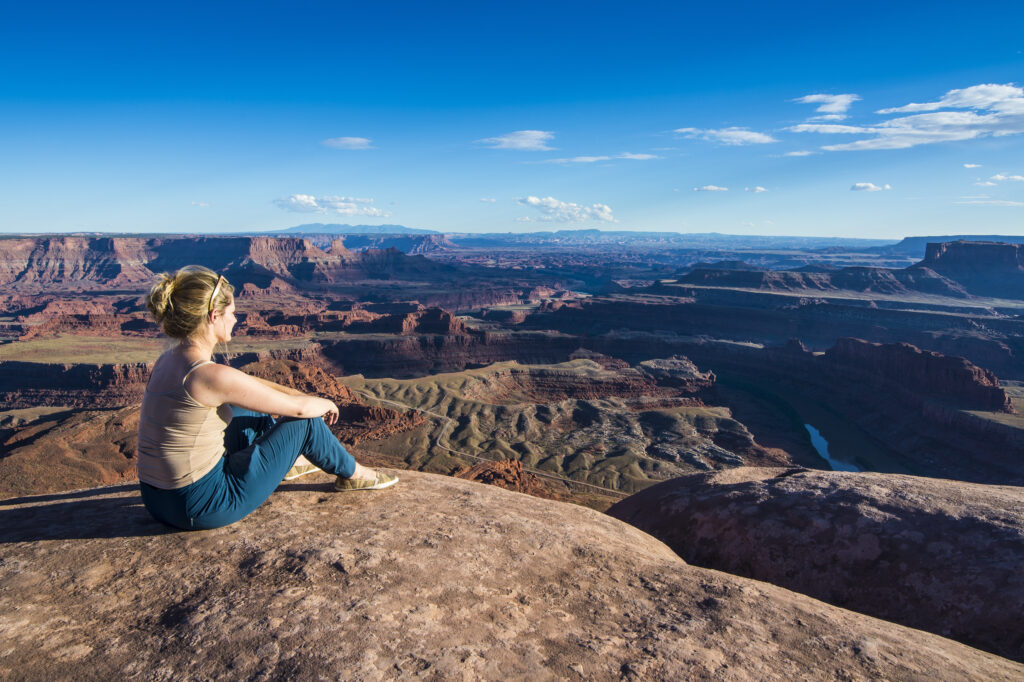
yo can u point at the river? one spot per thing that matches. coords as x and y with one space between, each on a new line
821 445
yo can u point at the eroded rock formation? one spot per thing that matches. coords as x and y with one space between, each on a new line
984 268
927 373
435 577
508 474
937 555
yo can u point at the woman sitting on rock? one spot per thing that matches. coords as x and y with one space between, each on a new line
209 453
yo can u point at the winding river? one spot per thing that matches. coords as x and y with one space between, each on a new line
821 445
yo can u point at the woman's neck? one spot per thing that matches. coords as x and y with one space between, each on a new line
201 346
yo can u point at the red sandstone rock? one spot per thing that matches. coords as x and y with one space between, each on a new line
983 268
938 555
82 385
506 316
923 372
859 279
507 474
679 372
68 450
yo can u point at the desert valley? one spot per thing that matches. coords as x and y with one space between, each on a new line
827 435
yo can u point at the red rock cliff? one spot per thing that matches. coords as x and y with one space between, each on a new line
926 372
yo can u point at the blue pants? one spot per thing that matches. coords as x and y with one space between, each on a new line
262 450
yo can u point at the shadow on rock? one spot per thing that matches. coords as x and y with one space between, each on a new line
78 515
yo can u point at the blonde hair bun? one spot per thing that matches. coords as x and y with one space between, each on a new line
180 302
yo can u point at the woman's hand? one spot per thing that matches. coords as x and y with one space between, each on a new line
330 413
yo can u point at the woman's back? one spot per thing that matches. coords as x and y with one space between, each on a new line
180 440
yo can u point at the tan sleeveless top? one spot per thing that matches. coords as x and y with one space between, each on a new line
180 440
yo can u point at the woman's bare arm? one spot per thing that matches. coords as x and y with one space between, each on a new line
215 385
284 389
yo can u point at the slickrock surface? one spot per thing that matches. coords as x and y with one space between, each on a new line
934 554
435 578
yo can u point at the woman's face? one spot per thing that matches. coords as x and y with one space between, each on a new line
225 323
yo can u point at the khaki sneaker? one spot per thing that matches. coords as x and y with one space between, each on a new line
381 481
298 470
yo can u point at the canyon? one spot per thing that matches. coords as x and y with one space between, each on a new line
670 381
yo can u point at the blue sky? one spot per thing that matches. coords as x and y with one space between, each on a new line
799 118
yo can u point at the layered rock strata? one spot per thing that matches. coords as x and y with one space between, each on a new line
983 268
904 367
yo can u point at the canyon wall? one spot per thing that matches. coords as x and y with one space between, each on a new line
983 268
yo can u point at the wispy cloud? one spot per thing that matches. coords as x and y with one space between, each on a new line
579 159
1000 177
523 140
307 203
348 143
986 96
731 136
802 152
710 188
868 187
985 183
972 165
553 210
488 200
756 189
990 202
201 204
594 159
991 110
833 107
637 157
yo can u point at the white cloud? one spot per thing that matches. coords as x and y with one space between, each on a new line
731 136
756 189
829 128
985 183
553 210
833 107
802 152
201 204
348 143
488 200
637 157
307 203
995 110
972 165
989 202
986 96
523 140
999 177
868 187
579 159
595 159
710 188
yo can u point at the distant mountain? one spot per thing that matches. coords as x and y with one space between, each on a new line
335 228
916 246
683 240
